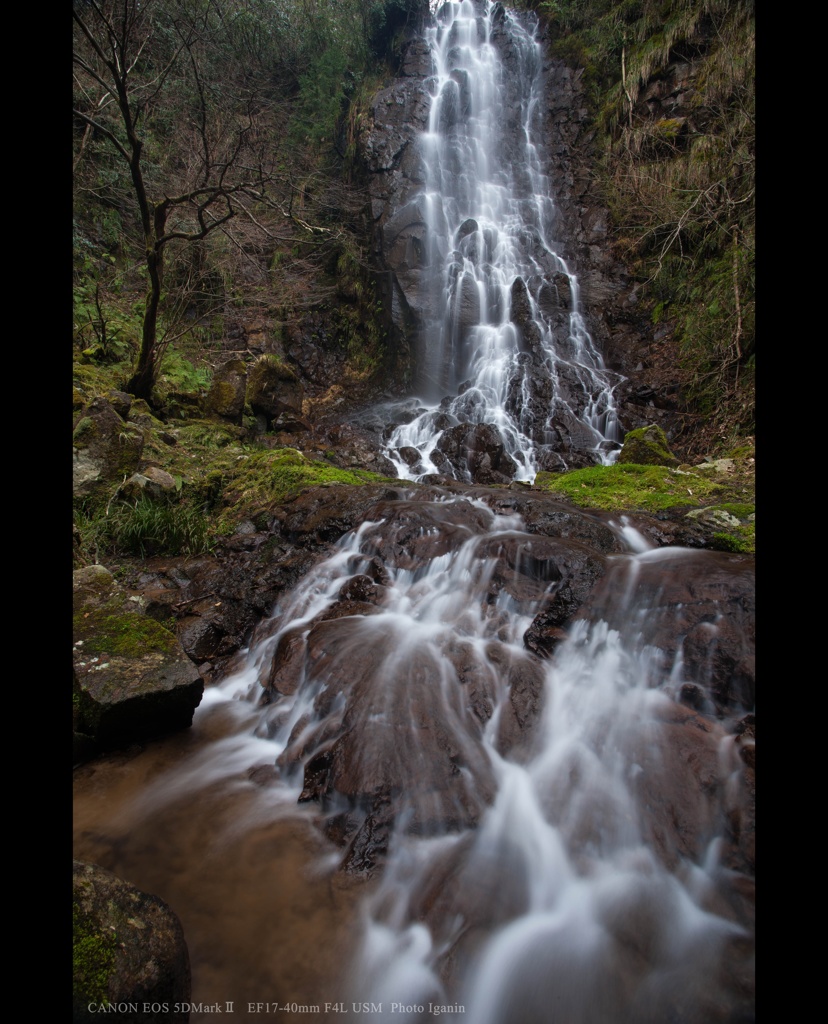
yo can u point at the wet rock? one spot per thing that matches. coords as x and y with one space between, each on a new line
200 638
361 588
563 289
409 455
416 531
132 679
520 718
679 782
703 609
466 303
476 453
523 317
128 951
476 677
285 671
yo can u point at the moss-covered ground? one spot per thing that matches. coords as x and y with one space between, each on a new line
224 474
726 485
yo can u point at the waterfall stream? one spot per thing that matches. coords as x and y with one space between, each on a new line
525 840
505 341
392 805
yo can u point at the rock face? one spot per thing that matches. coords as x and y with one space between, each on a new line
128 952
132 680
398 114
273 390
703 611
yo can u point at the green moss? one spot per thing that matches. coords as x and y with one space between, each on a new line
741 510
267 478
222 394
740 539
93 958
627 487
729 542
140 410
647 446
93 380
267 368
127 634
668 128
83 432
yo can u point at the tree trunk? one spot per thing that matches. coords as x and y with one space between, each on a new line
141 382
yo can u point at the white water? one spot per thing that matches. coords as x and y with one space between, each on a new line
490 218
567 870
556 902
540 886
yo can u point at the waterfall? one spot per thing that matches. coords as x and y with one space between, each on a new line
504 342
503 715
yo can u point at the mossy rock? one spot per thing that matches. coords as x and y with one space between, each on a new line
106 448
128 949
647 446
131 677
268 478
273 388
226 397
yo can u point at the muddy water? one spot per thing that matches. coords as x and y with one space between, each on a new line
265 921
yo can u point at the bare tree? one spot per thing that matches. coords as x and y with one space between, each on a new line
221 159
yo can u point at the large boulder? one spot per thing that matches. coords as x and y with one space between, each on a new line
477 453
132 680
647 446
151 482
128 952
273 389
227 392
105 448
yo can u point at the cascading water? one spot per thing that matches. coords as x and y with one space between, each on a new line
548 839
504 337
480 696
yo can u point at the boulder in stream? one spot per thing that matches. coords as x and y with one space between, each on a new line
129 956
131 678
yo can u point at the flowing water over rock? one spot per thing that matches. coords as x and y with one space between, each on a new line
529 836
502 333
491 760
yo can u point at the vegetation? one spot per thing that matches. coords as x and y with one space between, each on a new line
630 488
672 90
210 165
267 478
719 494
93 958
147 527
